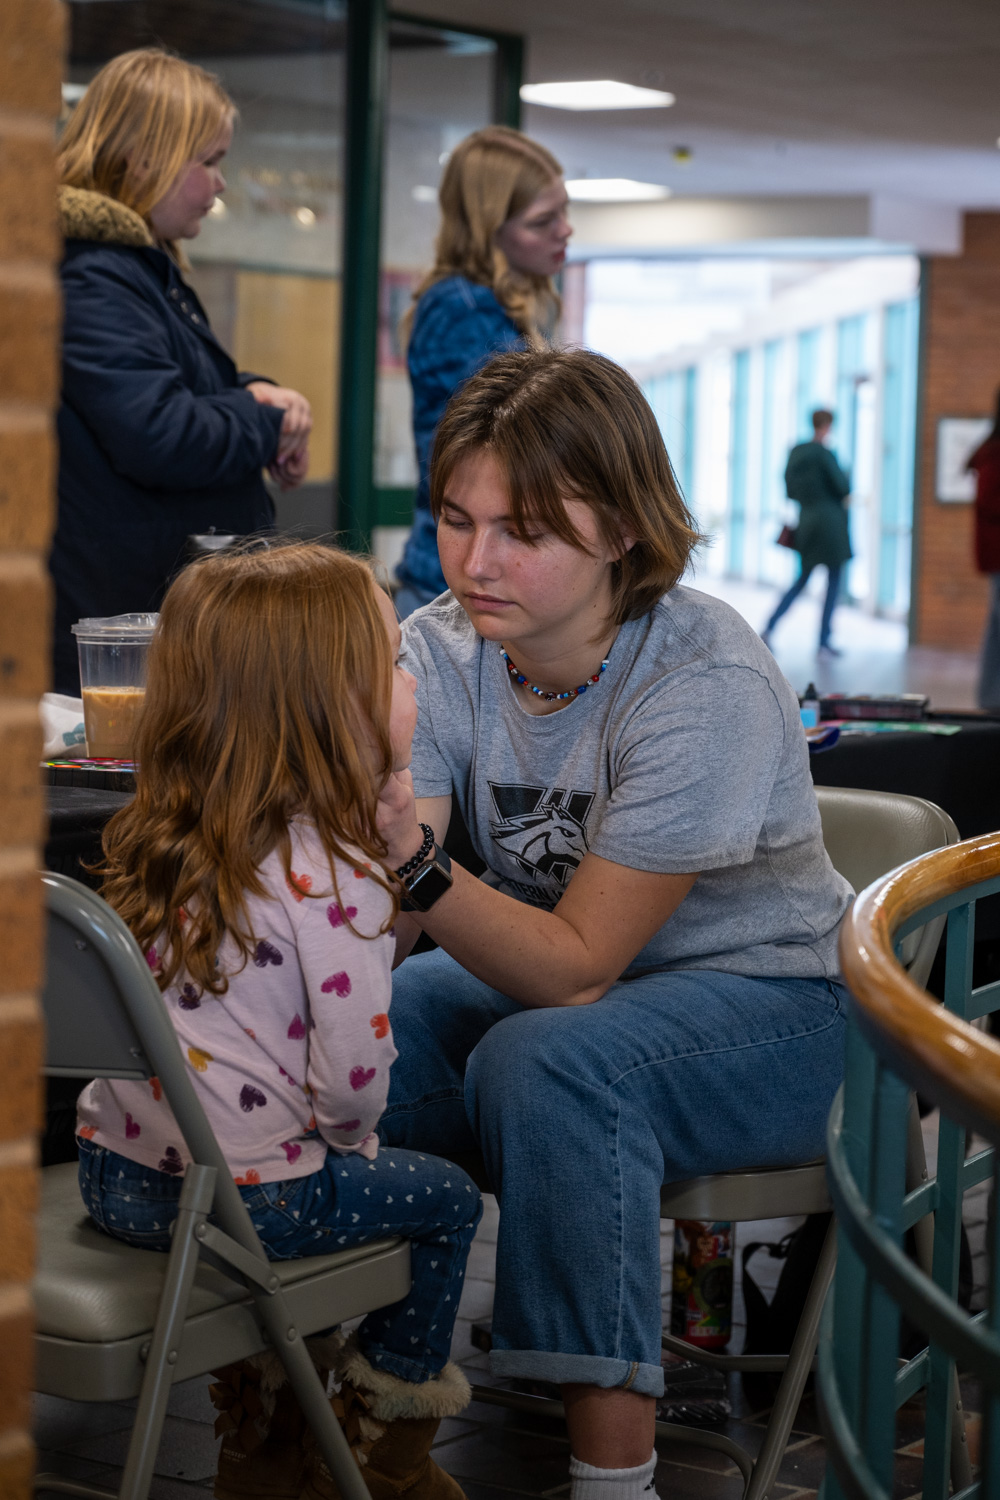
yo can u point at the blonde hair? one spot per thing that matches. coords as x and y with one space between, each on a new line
491 176
143 117
570 424
268 697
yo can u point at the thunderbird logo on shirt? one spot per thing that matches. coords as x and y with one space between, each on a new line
543 829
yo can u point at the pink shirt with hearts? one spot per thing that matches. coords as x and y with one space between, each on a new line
293 1060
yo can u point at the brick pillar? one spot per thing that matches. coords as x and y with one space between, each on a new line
31 66
961 374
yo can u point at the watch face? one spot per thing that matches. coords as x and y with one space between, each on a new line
428 886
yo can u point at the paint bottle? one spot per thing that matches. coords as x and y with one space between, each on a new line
701 1310
809 707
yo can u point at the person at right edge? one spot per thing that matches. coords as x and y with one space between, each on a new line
502 238
814 478
985 463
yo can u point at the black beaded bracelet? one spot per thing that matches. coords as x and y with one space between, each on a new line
421 854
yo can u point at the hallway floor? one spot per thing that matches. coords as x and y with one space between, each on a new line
876 657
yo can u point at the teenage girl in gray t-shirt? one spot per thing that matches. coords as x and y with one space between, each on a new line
643 987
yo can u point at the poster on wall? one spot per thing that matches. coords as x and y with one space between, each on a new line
957 440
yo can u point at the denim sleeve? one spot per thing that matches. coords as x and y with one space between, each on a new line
451 341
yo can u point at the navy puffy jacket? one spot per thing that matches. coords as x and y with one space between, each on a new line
157 437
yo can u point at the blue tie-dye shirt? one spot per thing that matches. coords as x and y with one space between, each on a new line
459 325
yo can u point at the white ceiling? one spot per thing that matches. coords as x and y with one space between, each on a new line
774 97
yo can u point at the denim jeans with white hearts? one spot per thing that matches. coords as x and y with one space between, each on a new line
349 1202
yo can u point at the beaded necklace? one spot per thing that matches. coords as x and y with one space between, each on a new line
522 681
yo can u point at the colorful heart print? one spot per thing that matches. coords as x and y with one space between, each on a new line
189 998
299 885
87 1131
339 984
291 1080
132 1128
348 1125
153 959
337 915
171 1162
249 1179
266 953
297 1029
364 873
380 1024
292 1150
361 1077
251 1097
198 1059
157 1088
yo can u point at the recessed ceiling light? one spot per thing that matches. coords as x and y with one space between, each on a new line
614 190
305 217
597 93
423 194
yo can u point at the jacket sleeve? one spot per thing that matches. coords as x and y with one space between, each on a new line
836 478
349 984
455 339
121 376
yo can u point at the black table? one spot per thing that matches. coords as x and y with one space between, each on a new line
960 772
77 816
957 771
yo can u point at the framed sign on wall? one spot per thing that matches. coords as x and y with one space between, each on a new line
957 439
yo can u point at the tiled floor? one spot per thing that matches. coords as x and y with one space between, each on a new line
492 1452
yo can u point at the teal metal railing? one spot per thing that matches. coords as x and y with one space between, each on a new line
899 1040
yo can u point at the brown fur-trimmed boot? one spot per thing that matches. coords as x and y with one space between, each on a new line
262 1429
390 1424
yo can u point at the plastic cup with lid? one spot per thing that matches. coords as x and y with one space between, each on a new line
113 654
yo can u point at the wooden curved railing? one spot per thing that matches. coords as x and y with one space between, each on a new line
947 1058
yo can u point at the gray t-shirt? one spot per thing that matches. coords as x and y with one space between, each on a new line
688 755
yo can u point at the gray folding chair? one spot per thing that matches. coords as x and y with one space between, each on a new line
115 1322
866 834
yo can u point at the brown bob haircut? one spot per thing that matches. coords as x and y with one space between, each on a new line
572 425
268 694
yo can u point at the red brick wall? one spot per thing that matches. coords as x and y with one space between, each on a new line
31 66
960 378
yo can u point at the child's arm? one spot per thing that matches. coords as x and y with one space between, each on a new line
348 981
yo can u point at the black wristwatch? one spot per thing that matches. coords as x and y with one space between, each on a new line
428 883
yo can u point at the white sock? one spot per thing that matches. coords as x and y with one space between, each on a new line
589 1483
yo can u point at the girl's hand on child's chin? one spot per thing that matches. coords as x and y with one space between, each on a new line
396 817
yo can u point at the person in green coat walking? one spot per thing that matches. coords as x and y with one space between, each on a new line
814 478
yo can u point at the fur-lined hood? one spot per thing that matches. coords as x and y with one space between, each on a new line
87 215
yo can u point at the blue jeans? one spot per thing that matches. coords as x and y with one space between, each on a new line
829 603
349 1202
582 1113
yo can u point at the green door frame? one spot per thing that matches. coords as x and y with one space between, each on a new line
367 104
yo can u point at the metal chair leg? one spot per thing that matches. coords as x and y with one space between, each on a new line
793 1381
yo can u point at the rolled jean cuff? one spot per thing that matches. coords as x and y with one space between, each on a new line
578 1369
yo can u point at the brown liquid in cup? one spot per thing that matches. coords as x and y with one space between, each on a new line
110 716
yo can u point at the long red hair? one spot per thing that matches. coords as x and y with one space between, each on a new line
269 685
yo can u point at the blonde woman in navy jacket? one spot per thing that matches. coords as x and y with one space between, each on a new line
160 436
